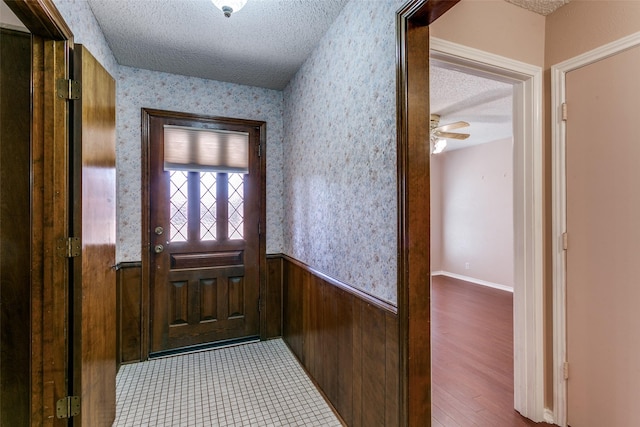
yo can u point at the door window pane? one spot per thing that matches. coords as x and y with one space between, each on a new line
208 191
236 206
178 206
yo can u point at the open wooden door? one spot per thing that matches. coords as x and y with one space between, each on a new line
93 341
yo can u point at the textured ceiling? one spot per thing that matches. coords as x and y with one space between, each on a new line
543 7
486 104
264 44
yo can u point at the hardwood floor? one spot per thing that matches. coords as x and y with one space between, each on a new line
472 356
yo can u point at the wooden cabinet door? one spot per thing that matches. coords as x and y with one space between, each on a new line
93 304
204 242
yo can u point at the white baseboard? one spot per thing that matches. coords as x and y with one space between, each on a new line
473 280
548 416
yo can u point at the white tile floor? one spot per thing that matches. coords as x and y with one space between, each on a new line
258 384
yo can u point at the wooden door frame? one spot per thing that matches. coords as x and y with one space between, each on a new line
559 208
412 30
50 122
146 115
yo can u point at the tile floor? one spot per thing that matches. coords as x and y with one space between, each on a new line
257 384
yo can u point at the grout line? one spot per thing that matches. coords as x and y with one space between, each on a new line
250 384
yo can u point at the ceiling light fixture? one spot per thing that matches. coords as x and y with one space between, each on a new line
439 146
229 6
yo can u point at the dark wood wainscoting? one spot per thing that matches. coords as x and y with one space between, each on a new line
271 308
129 312
346 340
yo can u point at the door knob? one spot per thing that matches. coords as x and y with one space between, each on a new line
158 248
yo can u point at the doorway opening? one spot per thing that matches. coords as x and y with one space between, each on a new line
525 80
472 248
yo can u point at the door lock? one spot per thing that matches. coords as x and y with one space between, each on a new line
158 248
159 230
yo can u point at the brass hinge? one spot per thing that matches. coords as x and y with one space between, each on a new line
69 247
564 111
565 241
68 407
68 89
565 370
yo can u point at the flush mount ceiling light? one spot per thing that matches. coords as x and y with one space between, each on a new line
229 6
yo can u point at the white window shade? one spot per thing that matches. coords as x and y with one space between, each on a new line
195 150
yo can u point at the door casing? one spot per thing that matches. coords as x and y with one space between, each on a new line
528 212
50 130
413 213
559 209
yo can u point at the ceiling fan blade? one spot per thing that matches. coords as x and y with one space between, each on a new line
451 126
452 135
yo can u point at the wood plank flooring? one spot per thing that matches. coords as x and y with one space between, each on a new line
472 356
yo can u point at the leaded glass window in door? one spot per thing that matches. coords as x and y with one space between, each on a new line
206 206
236 205
178 206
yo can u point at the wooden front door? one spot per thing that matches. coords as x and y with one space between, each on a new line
93 292
203 236
603 254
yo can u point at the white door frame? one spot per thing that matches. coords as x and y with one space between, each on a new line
559 207
528 307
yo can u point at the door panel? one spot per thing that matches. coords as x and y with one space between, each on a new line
204 242
15 228
94 214
603 207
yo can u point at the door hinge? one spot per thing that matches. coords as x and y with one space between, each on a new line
259 150
259 308
68 89
69 247
565 241
68 407
564 111
565 370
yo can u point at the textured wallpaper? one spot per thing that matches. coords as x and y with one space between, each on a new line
138 88
79 17
340 203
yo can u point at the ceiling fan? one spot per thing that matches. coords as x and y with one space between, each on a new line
440 134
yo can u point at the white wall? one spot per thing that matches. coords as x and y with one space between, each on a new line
476 210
